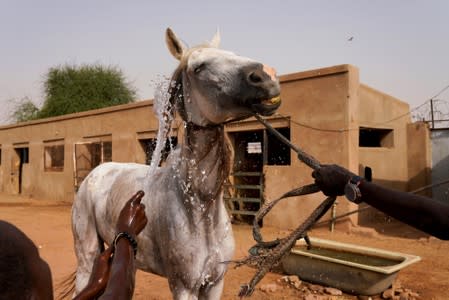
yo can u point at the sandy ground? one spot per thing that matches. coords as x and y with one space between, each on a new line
48 225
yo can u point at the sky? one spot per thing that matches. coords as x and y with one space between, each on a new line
401 47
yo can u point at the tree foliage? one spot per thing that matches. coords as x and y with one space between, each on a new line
69 89
24 110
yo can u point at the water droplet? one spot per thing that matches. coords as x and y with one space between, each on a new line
161 107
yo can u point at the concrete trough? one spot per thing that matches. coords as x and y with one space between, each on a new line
351 268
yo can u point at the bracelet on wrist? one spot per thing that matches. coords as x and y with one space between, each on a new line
127 236
352 190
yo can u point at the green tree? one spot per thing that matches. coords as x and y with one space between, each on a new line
69 89
24 110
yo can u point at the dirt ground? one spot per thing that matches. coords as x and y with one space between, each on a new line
48 225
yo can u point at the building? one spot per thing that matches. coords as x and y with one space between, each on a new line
440 163
327 112
48 158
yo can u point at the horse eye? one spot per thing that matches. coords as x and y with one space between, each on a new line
198 68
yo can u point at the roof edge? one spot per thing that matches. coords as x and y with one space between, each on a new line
93 112
315 73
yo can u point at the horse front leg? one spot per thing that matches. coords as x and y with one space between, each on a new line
212 292
180 291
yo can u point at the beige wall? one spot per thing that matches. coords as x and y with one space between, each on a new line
323 108
389 163
322 105
326 108
122 124
378 110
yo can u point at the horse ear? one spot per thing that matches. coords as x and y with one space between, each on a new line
216 39
175 46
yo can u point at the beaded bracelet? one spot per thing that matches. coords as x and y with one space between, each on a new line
127 236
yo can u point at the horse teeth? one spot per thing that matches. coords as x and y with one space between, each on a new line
276 99
273 100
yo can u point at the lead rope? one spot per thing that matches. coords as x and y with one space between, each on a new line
266 255
309 160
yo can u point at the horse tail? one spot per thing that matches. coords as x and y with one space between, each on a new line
66 287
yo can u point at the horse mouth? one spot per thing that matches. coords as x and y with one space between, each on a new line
268 106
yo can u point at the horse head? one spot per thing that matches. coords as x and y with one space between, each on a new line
213 86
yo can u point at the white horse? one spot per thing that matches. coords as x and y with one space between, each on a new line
188 235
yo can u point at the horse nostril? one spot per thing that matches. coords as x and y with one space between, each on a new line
254 77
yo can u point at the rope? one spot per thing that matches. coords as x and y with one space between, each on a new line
266 255
304 190
266 260
302 156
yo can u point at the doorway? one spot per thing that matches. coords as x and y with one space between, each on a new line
252 151
244 191
19 158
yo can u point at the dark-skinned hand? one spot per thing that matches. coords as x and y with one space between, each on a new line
101 270
331 179
132 218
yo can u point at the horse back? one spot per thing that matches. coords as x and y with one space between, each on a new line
103 194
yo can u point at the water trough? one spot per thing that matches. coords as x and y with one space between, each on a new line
351 268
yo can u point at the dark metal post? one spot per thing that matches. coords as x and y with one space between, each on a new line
265 148
431 114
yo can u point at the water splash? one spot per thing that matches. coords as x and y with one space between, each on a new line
162 109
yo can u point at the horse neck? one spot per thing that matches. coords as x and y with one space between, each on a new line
205 159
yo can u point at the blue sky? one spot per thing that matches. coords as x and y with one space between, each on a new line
400 46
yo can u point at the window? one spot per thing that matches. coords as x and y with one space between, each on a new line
107 151
375 137
368 174
256 148
54 158
148 146
278 152
88 155
97 149
100 152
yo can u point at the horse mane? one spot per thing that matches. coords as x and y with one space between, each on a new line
175 90
176 104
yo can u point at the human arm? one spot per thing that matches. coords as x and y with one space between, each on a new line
423 213
132 220
121 280
98 278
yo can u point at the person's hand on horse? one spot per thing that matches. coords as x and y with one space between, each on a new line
132 218
100 272
332 179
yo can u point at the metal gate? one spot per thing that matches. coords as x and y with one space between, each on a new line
244 193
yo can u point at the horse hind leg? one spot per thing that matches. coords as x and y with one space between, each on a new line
87 249
88 244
